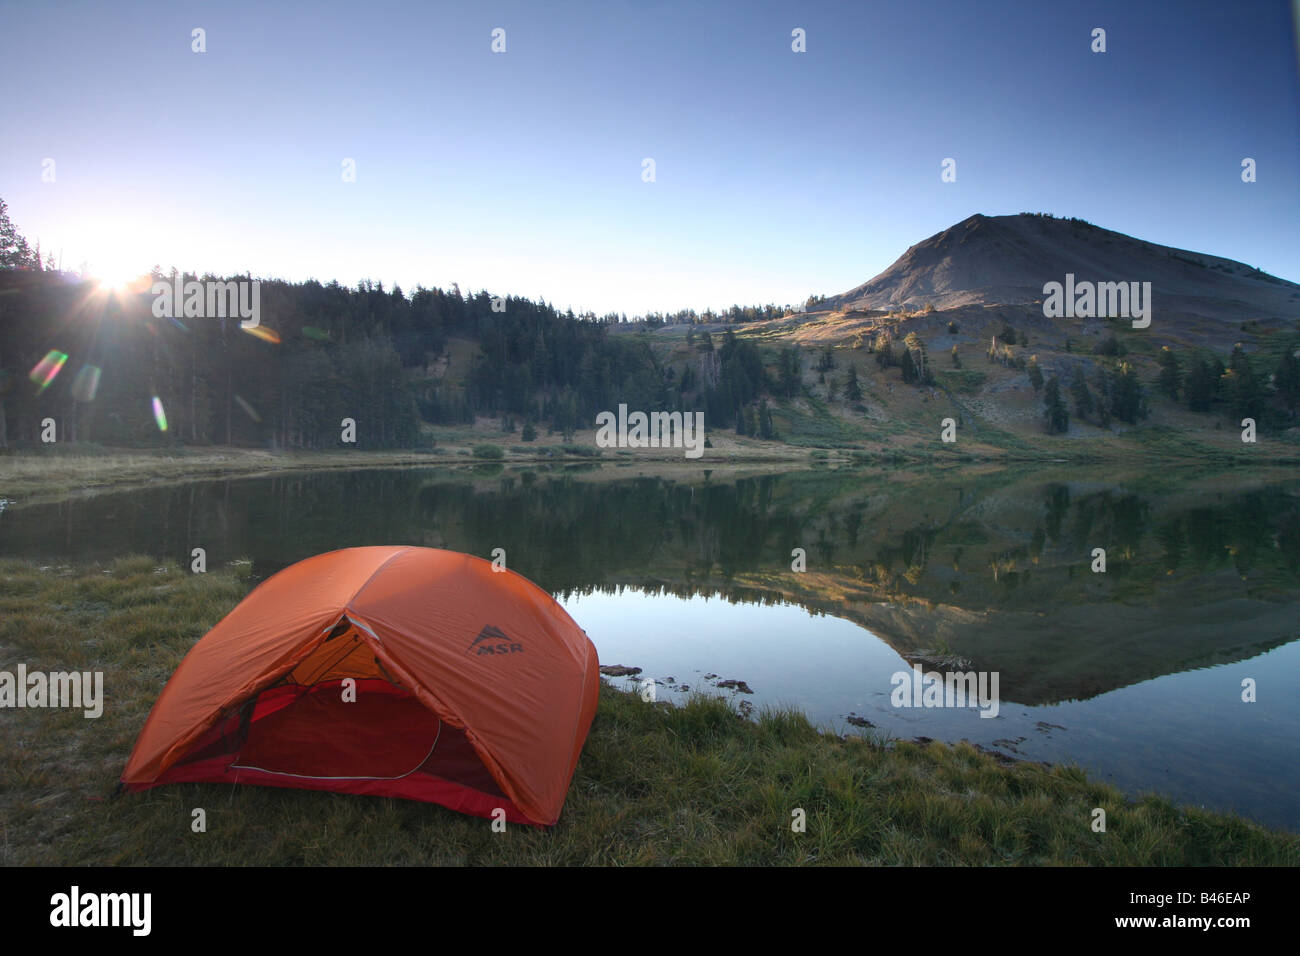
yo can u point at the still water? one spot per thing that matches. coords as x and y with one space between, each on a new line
1135 673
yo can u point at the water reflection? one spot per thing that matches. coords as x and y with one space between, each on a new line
990 569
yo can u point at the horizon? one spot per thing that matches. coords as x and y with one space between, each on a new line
521 172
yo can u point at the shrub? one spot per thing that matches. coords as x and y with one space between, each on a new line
1108 346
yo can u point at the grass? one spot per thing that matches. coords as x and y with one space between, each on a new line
58 471
967 381
657 784
815 429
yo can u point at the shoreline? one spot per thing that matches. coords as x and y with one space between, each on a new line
657 783
34 476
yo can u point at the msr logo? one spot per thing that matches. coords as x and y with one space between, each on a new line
499 642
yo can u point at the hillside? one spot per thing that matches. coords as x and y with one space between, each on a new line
1005 260
955 329
964 309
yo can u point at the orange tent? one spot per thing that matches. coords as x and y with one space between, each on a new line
393 671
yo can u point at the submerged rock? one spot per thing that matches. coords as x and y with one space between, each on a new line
738 685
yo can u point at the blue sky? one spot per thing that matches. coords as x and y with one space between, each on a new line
778 174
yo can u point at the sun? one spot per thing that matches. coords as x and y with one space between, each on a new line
114 279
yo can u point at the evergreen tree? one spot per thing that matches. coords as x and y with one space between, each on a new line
1243 390
910 374
765 427
1201 386
852 390
1035 374
1081 394
1170 379
920 359
788 370
1287 380
1103 386
1127 401
15 253
1055 417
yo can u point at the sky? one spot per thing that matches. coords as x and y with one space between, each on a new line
777 174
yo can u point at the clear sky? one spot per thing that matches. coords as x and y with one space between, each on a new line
778 174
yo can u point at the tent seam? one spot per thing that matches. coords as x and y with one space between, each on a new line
387 561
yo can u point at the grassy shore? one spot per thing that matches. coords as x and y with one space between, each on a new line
57 472
657 784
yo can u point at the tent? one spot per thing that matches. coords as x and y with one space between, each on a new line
393 671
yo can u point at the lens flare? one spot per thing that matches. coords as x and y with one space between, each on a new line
248 409
44 371
159 415
86 384
320 335
263 333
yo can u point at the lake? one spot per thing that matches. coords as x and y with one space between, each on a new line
1136 673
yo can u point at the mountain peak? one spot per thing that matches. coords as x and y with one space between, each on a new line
1007 259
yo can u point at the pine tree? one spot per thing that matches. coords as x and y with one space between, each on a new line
1055 418
1287 380
15 253
1081 394
1244 392
790 378
1171 376
1201 386
852 390
1127 402
909 367
1035 374
765 427
1104 387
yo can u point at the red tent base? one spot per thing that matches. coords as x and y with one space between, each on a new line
384 743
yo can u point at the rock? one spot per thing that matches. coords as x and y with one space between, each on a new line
739 685
618 670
